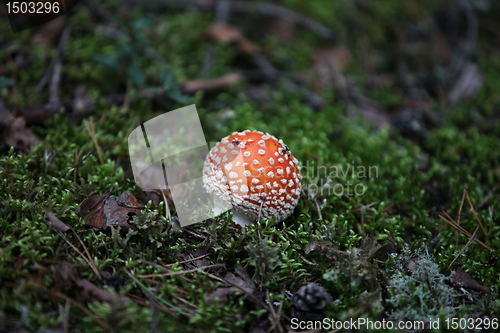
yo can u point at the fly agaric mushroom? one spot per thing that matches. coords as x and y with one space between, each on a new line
255 174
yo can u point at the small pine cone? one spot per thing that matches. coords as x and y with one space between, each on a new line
309 301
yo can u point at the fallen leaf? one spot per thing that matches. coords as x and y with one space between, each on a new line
218 83
118 211
463 279
105 211
18 136
243 282
93 208
224 33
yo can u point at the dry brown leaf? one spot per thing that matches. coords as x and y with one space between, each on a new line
243 282
218 83
119 210
224 33
93 208
18 136
463 279
105 211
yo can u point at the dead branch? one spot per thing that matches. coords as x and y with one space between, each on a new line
247 8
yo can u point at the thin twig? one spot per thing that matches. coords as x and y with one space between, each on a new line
247 8
61 46
250 295
477 218
144 276
275 317
318 208
462 230
79 162
473 238
89 125
82 307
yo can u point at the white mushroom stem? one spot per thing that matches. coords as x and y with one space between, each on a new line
241 219
221 207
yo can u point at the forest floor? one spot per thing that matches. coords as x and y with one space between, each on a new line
391 107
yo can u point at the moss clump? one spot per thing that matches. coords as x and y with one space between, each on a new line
419 292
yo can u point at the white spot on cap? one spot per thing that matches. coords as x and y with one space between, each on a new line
261 170
269 186
230 146
283 181
255 181
260 187
233 175
224 159
271 160
262 152
290 183
262 143
279 171
247 173
244 188
270 174
281 160
247 153
256 161
223 150
228 166
235 152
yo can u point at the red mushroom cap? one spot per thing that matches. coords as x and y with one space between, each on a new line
255 173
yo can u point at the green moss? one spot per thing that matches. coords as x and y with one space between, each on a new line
402 186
